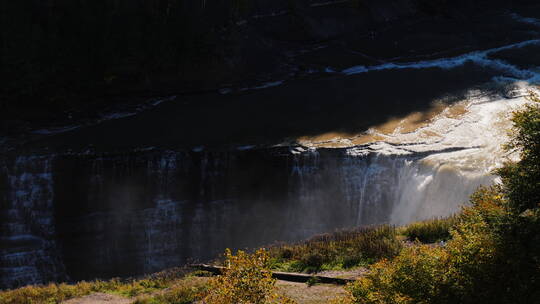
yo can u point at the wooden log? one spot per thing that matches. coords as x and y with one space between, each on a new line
284 276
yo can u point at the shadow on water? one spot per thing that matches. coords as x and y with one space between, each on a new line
348 104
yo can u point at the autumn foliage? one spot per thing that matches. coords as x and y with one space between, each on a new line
247 279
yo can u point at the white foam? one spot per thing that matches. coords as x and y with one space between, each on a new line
245 148
478 133
523 19
264 85
56 130
107 117
441 170
480 58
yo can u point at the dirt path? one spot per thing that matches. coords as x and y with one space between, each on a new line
304 294
300 292
345 274
100 298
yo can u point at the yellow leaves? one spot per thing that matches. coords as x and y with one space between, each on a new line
405 279
247 279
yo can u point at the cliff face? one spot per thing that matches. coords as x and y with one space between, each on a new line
84 217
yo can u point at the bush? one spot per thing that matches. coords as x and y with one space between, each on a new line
342 249
247 279
313 260
406 279
430 231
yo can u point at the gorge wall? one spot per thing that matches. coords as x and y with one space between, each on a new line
139 213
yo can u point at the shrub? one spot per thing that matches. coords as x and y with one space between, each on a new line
342 249
313 260
406 279
247 279
430 231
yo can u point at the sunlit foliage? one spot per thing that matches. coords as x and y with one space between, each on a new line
247 279
430 231
57 293
342 249
522 179
183 292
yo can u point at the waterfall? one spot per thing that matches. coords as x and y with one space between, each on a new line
135 213
29 253
100 215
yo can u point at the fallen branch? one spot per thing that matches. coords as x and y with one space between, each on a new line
284 276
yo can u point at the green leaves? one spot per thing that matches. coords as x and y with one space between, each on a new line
522 179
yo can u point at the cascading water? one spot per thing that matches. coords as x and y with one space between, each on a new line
443 162
29 252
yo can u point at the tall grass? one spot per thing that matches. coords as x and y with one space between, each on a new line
186 291
431 231
58 292
342 249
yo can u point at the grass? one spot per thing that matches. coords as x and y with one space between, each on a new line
340 250
59 292
185 291
430 231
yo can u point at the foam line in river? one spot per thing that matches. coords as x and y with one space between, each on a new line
480 57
